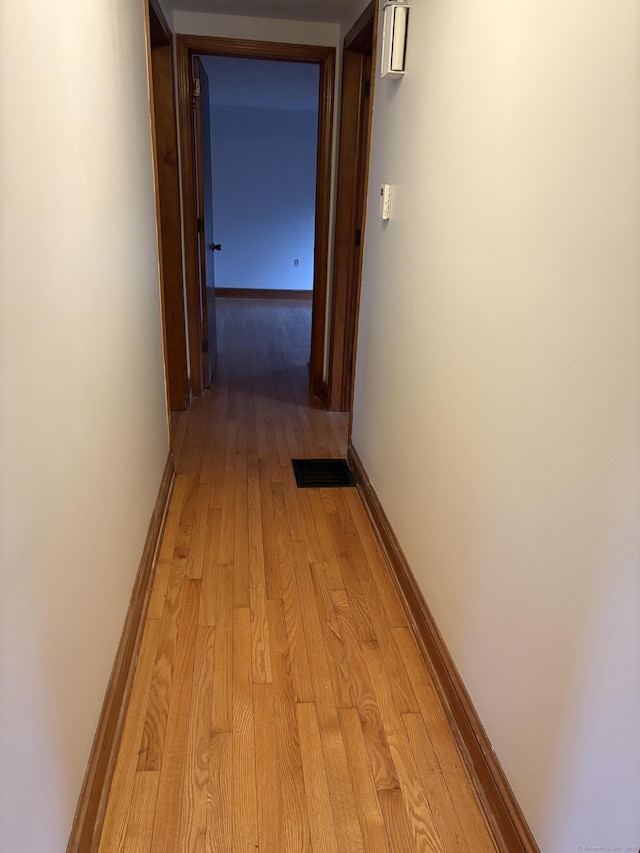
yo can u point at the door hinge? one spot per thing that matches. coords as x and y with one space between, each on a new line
358 237
200 224
366 88
196 87
205 346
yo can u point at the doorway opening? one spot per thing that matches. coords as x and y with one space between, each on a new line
264 139
188 48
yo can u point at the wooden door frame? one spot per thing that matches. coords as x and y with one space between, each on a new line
165 152
205 224
353 170
186 47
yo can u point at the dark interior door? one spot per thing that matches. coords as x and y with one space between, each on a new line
206 245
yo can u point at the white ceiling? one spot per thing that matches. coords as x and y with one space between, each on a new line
262 83
331 11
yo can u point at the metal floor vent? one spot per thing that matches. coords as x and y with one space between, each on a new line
322 473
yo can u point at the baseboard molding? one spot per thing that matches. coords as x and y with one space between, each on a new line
89 817
258 293
498 800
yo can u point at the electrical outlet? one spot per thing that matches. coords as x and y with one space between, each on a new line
296 263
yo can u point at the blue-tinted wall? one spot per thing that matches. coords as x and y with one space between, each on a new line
264 182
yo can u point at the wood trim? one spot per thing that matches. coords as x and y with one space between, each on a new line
204 214
505 817
165 146
353 304
89 817
353 167
250 49
189 215
323 210
260 293
150 29
344 244
186 47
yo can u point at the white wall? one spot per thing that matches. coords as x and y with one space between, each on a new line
83 433
264 196
264 139
497 405
257 29
167 9
357 7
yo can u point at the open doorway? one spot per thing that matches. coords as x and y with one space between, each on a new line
264 138
323 58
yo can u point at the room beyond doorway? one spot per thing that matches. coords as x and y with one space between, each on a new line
264 138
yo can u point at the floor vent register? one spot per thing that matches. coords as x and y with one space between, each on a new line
322 473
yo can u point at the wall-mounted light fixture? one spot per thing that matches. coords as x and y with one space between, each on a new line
394 39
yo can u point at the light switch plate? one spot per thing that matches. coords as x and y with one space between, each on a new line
385 201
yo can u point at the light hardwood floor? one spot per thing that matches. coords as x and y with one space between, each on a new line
280 702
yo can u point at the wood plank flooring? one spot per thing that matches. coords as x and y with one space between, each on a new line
280 702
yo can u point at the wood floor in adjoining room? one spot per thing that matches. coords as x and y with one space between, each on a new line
280 702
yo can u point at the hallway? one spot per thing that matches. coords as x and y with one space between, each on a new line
280 701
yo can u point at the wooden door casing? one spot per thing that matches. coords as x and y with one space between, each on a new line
165 141
204 215
353 168
323 56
